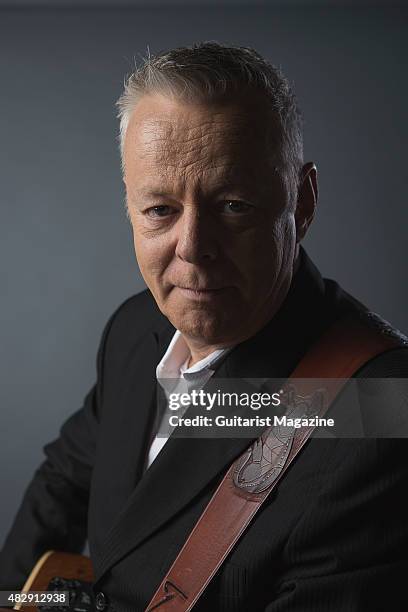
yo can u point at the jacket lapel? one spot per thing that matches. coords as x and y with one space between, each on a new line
128 415
184 467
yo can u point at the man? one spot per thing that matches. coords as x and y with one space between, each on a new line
219 199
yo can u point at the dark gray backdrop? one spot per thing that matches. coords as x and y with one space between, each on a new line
65 245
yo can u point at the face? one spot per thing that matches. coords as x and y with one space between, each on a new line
214 233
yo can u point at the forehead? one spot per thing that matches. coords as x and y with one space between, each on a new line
173 138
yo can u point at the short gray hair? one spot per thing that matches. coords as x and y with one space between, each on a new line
211 71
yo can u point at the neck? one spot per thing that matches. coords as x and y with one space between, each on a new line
199 352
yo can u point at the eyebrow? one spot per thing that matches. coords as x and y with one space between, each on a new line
235 182
223 187
156 193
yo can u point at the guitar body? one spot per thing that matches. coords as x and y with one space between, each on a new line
56 564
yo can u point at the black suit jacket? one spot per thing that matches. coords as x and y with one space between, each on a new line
332 536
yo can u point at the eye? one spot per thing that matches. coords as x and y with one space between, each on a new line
236 207
162 210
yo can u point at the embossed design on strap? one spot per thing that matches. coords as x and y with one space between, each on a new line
258 468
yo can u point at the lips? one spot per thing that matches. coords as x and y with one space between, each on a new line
204 289
203 293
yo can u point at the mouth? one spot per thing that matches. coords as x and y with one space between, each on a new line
203 293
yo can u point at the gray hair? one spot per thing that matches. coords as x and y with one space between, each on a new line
209 72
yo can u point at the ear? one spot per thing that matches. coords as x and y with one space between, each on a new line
307 200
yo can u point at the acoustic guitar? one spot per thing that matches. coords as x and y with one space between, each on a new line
56 572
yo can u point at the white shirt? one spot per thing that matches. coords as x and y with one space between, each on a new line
174 376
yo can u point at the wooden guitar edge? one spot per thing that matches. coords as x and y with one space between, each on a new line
35 571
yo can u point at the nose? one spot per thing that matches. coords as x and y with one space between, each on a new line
196 240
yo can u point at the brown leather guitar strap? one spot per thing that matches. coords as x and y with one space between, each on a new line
337 355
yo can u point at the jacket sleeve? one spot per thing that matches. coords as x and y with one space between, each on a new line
348 551
53 513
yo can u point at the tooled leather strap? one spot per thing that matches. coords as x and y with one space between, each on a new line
337 355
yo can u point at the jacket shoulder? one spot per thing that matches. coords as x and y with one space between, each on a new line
390 363
137 316
142 309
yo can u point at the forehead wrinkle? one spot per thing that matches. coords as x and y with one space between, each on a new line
151 135
206 154
199 173
161 137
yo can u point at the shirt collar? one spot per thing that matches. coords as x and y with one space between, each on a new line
174 361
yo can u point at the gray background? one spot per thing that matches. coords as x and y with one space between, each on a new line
65 246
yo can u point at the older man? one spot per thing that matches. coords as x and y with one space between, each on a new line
219 199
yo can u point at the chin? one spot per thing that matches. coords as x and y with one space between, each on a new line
203 325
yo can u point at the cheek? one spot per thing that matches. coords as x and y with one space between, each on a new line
153 256
265 244
282 247
263 256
